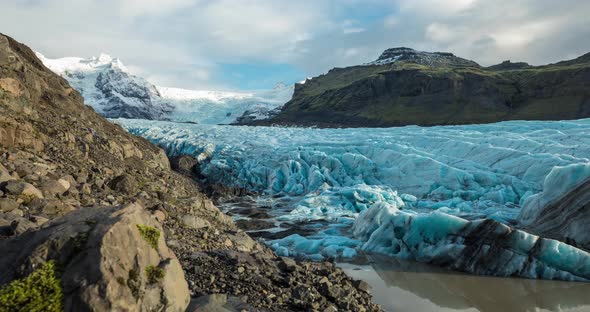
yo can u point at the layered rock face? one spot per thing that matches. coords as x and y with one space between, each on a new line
408 87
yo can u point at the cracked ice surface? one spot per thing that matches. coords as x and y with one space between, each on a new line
469 172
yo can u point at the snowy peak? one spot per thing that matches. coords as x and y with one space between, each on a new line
108 86
437 59
78 64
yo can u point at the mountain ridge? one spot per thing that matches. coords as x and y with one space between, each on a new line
114 92
408 87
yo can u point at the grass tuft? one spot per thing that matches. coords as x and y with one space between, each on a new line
40 291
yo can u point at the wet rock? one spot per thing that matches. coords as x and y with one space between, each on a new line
282 234
254 224
361 285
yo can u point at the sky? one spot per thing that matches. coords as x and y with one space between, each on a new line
253 44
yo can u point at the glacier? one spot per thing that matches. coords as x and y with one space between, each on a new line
451 195
114 92
224 107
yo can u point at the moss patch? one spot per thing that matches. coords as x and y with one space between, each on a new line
154 274
149 234
121 280
134 283
27 198
40 291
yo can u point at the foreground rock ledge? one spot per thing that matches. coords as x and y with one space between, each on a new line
107 263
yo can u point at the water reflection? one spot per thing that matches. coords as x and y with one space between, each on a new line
410 286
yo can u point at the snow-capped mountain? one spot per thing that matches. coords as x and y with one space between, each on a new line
108 86
393 55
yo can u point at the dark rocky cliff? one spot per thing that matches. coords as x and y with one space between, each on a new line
423 88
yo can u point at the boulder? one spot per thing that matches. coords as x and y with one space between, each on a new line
7 204
209 303
194 222
111 259
54 188
23 189
287 264
125 184
4 174
185 164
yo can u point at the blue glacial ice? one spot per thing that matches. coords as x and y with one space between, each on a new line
443 178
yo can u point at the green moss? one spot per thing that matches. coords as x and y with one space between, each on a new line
27 198
40 291
153 274
149 234
134 283
121 280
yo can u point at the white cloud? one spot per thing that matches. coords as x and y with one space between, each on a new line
181 42
441 33
435 7
135 8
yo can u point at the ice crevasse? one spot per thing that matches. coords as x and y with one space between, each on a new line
461 188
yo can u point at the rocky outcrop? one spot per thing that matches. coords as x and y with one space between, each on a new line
97 274
408 87
437 59
87 211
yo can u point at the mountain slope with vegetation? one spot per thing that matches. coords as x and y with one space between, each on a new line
408 87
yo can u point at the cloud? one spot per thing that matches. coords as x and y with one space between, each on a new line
536 31
137 8
184 42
